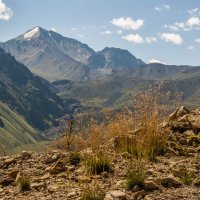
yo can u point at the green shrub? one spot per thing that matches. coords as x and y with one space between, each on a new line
93 195
185 176
136 175
98 164
74 158
24 183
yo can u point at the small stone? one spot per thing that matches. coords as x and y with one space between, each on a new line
26 155
147 198
136 188
71 168
140 194
121 184
13 174
84 179
37 186
58 168
9 161
197 182
18 177
115 195
6 182
46 176
150 185
169 182
52 158
53 188
71 194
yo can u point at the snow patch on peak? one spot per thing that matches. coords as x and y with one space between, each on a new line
31 33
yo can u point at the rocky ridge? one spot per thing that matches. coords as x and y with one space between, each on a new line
53 177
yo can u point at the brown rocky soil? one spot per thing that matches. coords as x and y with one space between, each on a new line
52 176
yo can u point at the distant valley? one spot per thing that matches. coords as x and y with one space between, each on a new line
45 77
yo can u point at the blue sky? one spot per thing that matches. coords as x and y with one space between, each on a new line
153 30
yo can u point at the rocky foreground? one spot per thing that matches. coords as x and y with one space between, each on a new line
174 176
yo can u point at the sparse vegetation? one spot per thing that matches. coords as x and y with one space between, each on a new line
137 127
136 175
90 195
185 176
74 158
25 184
97 164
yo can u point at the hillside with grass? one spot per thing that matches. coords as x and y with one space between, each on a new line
31 96
15 131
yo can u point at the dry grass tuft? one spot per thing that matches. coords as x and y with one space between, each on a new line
25 184
98 164
92 193
136 175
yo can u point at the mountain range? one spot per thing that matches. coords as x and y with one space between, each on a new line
54 57
44 77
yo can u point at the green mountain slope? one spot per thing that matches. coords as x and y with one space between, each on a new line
29 95
14 130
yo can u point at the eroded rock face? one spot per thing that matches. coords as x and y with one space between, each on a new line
179 112
183 120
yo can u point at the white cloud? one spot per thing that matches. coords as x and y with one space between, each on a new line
5 12
106 32
156 61
137 39
190 47
150 40
171 27
194 12
171 37
162 7
197 40
128 23
119 32
192 22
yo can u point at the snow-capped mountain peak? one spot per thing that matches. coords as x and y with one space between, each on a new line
31 33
